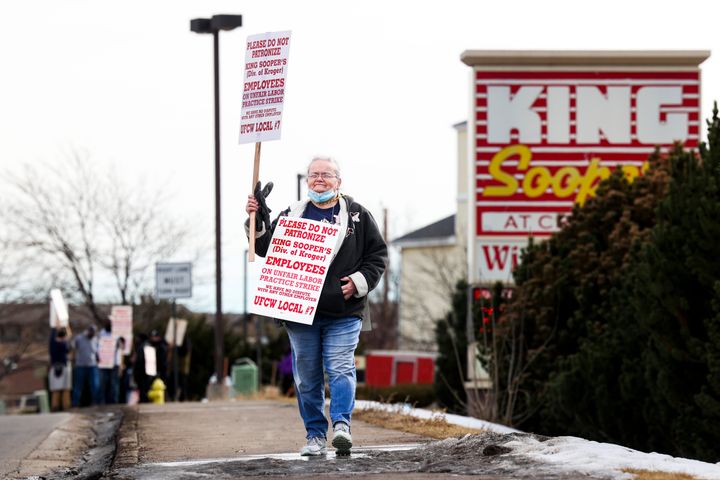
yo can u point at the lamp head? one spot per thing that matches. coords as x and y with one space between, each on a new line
216 23
200 25
225 22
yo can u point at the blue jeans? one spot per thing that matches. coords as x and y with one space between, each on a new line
109 385
328 344
81 377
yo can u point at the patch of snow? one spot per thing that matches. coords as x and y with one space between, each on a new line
577 454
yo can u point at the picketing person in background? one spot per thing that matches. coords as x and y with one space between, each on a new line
184 359
126 374
110 376
142 380
287 383
85 374
118 392
359 261
161 354
60 376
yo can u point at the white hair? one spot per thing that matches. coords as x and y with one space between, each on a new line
330 160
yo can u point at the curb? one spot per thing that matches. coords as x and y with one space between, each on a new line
128 447
96 461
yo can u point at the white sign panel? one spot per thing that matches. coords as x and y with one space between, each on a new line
121 319
58 309
497 257
106 351
150 361
288 282
180 333
523 222
266 65
173 280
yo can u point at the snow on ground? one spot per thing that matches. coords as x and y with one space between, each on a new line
571 453
592 457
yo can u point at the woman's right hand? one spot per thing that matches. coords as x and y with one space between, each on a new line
252 204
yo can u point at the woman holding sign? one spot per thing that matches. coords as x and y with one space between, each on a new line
328 344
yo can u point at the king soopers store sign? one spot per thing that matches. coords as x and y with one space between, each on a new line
546 127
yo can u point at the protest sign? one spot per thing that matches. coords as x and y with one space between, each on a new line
266 64
106 351
58 309
288 282
179 335
121 317
150 361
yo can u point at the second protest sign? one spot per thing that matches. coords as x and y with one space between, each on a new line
288 282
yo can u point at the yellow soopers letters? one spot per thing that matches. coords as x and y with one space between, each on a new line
564 183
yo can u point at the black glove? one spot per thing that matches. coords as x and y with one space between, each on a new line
263 212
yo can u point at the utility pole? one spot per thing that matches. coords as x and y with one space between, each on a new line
245 306
386 284
213 26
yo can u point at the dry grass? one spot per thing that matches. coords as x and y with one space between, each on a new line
437 427
652 475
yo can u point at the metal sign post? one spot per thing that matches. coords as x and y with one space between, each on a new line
173 281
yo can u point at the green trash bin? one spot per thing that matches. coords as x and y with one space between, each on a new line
244 377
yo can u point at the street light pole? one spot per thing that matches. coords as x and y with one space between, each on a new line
219 327
214 25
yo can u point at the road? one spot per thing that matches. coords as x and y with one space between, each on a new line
21 434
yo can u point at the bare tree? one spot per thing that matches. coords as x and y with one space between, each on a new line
54 213
427 291
506 344
139 234
84 223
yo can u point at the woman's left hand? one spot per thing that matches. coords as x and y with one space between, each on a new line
348 288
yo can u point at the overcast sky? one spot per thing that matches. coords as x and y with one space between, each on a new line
376 84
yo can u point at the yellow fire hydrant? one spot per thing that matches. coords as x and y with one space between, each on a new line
157 391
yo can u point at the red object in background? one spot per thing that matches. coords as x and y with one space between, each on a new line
385 368
404 372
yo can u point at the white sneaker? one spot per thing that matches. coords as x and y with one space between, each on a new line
315 446
342 440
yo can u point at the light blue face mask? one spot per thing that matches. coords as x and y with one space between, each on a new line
321 197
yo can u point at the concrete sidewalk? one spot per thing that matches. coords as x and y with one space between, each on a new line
262 438
222 430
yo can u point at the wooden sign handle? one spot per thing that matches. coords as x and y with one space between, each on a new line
256 175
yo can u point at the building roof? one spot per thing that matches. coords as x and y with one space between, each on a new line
629 58
38 314
441 232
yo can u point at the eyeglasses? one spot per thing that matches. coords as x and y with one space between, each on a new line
323 175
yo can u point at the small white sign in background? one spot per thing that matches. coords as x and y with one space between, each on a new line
106 351
266 65
173 280
150 361
170 330
58 309
121 319
287 283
